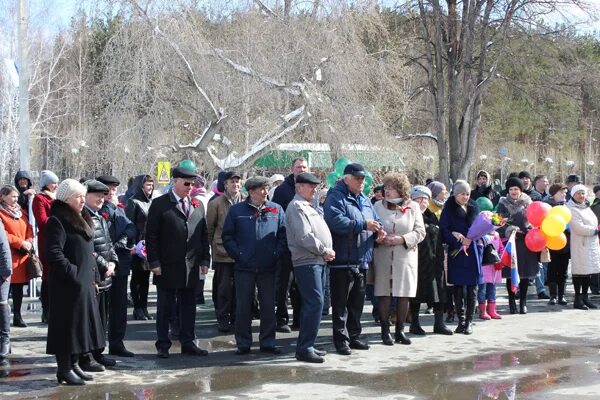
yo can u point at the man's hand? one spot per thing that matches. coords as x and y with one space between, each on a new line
29 192
373 225
156 271
27 246
204 269
330 255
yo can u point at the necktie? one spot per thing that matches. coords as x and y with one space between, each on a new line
183 207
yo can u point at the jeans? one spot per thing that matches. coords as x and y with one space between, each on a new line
486 291
310 280
540 279
245 282
4 289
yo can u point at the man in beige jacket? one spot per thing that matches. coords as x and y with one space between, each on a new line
222 264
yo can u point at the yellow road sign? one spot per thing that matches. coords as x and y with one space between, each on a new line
164 172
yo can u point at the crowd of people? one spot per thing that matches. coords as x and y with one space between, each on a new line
277 238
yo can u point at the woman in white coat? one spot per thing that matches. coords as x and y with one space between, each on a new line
396 256
585 248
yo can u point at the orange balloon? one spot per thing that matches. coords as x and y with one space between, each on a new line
556 242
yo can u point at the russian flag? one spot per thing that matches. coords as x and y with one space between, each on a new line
509 259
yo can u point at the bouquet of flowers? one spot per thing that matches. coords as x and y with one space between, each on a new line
485 223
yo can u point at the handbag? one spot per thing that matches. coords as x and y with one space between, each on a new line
490 255
34 266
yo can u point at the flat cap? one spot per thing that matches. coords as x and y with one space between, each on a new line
256 182
182 172
94 186
355 169
524 174
307 177
573 178
232 174
109 180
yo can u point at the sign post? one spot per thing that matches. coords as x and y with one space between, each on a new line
164 172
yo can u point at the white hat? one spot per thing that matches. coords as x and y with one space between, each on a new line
276 177
68 188
577 188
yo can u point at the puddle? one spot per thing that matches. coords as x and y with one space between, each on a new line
528 374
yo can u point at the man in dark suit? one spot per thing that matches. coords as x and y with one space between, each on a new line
177 247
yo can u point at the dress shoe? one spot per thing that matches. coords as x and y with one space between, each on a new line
562 301
343 350
400 337
224 327
442 329
147 314
91 365
358 345
468 328
543 296
309 357
69 378
522 309
194 350
271 350
284 329
162 353
138 314
120 351
107 362
242 351
320 353
18 322
80 373
552 301
416 329
460 328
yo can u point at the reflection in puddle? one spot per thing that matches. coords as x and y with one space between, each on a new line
510 375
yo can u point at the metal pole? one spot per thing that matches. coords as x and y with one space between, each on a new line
23 87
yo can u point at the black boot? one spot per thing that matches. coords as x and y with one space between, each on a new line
386 338
415 326
459 307
578 303
17 296
553 287
77 369
512 302
561 294
399 334
468 327
138 314
4 331
523 286
64 373
471 297
587 302
439 326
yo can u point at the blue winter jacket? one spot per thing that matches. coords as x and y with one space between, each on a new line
255 239
347 215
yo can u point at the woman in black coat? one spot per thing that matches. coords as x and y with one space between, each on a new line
74 325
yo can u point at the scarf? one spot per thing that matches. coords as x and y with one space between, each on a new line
50 194
15 211
515 205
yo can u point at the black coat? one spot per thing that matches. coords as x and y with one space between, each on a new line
175 244
285 192
103 247
136 210
431 286
74 324
486 191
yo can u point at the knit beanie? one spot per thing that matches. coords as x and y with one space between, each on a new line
47 177
68 188
461 186
420 191
436 188
512 182
524 174
578 188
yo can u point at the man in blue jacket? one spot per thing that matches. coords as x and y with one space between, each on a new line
353 222
254 236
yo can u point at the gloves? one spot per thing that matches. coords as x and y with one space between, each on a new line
511 229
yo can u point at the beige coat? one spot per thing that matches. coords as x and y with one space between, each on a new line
396 267
585 248
215 218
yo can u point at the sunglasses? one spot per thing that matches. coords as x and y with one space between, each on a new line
188 184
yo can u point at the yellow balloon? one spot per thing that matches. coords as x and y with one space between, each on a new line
553 225
557 242
562 211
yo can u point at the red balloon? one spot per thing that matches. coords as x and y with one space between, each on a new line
535 240
536 212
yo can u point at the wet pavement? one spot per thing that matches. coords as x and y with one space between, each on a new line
551 353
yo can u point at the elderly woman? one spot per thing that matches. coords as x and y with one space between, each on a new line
585 259
5 272
559 259
41 210
20 238
74 325
396 256
431 287
464 263
513 207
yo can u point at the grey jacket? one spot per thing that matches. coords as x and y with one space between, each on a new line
5 257
307 233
